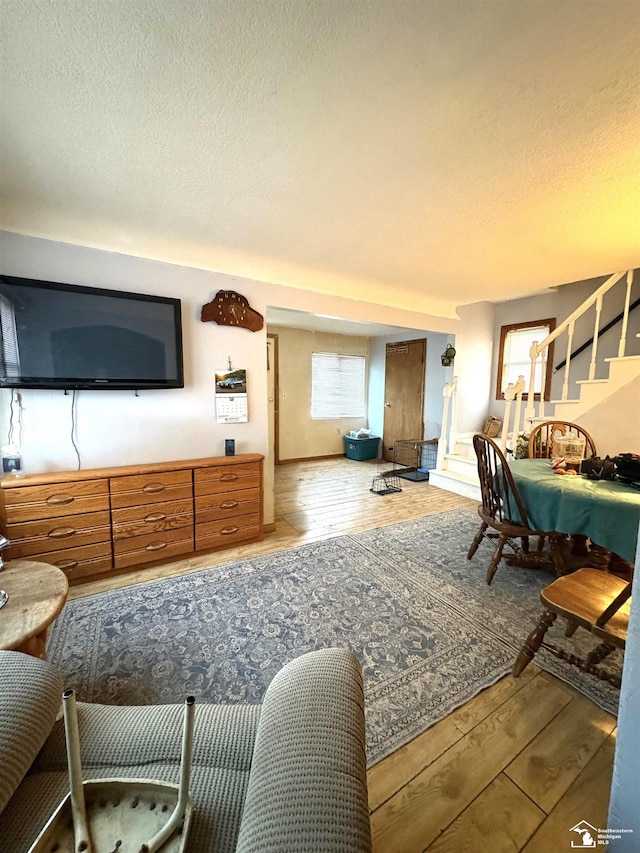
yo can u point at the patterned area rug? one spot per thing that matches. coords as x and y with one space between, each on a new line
429 632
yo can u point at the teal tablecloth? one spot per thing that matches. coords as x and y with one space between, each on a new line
605 511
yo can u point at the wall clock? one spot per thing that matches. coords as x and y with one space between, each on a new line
228 308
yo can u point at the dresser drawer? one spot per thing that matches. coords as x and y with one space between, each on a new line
224 478
220 534
155 546
227 504
53 501
143 489
136 520
82 562
51 534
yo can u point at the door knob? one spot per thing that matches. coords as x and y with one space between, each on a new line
387 405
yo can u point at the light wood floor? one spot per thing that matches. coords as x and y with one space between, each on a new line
512 770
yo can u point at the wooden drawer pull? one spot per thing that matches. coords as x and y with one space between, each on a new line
151 488
155 516
67 564
55 500
156 546
227 530
229 477
61 532
228 504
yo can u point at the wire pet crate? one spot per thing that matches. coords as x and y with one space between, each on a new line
412 458
385 483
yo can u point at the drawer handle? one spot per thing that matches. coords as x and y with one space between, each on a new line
60 499
150 488
227 530
61 532
155 516
229 477
228 504
156 546
67 564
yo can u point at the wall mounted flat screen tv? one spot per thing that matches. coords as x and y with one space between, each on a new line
65 336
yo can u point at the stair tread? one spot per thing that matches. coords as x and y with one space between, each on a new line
458 457
455 476
623 358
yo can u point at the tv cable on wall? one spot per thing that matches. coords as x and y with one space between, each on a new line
11 456
74 418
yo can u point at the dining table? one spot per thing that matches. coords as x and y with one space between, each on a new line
605 511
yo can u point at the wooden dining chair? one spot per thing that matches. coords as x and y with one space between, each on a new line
541 438
502 512
588 598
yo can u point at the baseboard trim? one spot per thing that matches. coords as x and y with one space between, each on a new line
269 528
311 458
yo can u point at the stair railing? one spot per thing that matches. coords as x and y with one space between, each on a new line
446 444
539 351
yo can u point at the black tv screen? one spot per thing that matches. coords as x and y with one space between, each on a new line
65 336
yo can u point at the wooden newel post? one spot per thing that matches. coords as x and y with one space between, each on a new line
519 389
453 428
444 431
508 395
530 411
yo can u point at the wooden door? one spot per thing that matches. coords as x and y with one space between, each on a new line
403 394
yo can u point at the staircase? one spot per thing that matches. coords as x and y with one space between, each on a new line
456 470
622 371
460 471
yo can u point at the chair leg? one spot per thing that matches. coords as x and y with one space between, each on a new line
570 630
477 540
598 654
533 642
525 544
497 556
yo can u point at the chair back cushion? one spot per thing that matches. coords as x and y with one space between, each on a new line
30 698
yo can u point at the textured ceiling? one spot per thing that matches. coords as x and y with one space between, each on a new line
442 150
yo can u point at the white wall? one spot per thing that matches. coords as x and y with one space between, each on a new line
116 427
614 425
474 348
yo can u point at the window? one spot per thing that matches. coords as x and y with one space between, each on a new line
514 359
337 385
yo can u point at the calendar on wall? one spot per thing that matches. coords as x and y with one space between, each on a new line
231 397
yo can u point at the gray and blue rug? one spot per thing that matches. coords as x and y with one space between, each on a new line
429 632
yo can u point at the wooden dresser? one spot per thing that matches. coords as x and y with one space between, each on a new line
88 523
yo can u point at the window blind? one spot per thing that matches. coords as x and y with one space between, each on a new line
337 386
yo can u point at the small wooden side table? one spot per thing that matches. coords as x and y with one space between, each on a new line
37 593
